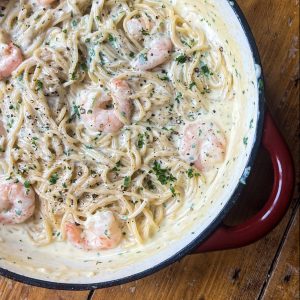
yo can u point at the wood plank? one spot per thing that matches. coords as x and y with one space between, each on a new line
11 290
284 283
275 25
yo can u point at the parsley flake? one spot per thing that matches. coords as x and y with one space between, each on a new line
163 175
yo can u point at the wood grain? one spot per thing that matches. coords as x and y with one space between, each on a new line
11 290
284 283
245 273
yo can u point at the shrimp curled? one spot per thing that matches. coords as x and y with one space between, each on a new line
136 27
158 53
17 203
45 2
10 59
100 231
203 144
100 117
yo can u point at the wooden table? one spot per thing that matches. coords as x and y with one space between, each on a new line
268 269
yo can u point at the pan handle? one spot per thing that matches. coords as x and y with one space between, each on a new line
227 237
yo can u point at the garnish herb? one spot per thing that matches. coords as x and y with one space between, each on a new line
163 175
150 184
116 168
143 57
102 61
127 181
111 38
173 191
75 113
27 184
141 141
145 32
181 59
192 84
74 23
39 85
53 179
73 76
191 174
83 67
205 69
178 97
164 78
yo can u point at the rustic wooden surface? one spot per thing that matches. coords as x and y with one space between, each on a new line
269 268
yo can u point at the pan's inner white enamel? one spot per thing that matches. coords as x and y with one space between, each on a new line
139 113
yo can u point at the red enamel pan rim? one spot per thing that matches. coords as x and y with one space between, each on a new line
207 235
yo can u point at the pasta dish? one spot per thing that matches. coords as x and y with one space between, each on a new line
108 118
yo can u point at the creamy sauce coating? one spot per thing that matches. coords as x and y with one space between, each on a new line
133 167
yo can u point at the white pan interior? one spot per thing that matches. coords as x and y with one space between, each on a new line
68 265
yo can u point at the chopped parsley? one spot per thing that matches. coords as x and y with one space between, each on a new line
178 97
18 212
73 76
205 69
245 141
251 124
53 179
143 57
181 59
27 184
20 77
140 142
74 23
172 189
92 52
83 67
164 78
131 54
145 32
192 84
163 175
191 174
111 38
127 181
75 112
116 168
150 184
101 56
39 85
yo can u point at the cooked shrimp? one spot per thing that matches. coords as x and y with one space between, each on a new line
10 59
45 2
159 51
136 27
17 203
100 117
203 144
100 231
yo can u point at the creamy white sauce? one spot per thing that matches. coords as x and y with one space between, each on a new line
62 262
